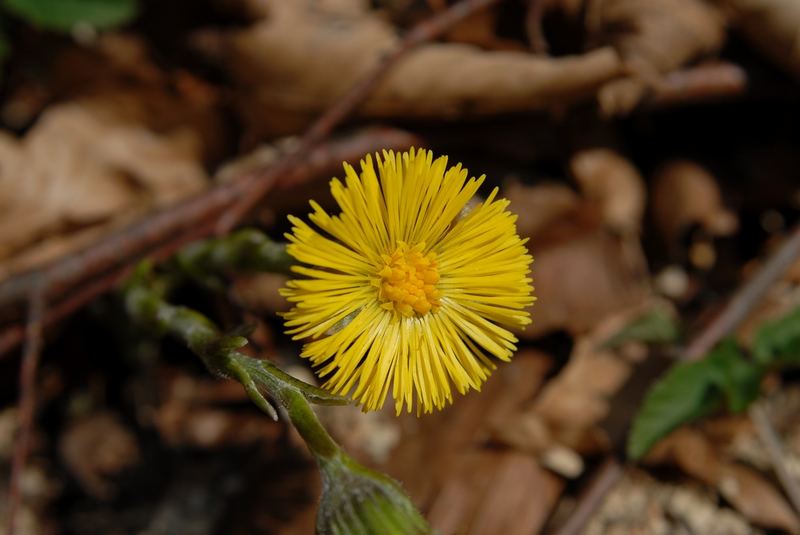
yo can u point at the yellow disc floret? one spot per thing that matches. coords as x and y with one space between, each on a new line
408 280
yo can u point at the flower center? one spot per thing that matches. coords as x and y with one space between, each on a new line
408 281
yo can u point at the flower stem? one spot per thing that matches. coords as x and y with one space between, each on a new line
354 499
243 250
145 303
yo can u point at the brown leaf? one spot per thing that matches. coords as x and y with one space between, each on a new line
298 60
581 281
576 401
747 490
756 498
191 413
97 447
84 165
615 184
653 37
495 492
772 25
641 504
539 207
464 488
685 194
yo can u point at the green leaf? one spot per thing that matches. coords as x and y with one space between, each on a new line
691 390
63 15
657 326
685 393
778 342
738 378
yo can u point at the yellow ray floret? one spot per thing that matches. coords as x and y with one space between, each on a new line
410 288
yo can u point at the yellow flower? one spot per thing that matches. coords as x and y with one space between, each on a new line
411 286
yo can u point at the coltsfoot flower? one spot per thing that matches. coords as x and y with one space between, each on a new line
412 287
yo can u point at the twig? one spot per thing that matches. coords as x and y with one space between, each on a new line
606 477
27 400
769 438
610 473
421 33
100 267
228 203
746 298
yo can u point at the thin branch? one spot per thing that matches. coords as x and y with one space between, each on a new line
746 298
228 203
27 401
605 479
344 107
77 279
772 443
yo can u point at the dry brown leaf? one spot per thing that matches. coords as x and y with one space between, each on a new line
494 492
299 59
641 504
756 498
567 415
772 25
78 167
540 206
615 184
580 281
127 136
747 490
685 194
653 37
97 447
191 415
480 29
576 401
460 489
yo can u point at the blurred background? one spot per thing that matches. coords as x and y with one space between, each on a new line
650 148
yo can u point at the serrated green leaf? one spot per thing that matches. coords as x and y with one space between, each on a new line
778 342
686 392
738 378
690 390
63 15
657 326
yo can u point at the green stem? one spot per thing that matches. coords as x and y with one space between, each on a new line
354 499
219 353
244 250
307 424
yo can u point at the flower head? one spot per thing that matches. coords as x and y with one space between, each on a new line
412 287
356 499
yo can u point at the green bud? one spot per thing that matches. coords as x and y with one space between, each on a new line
360 501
